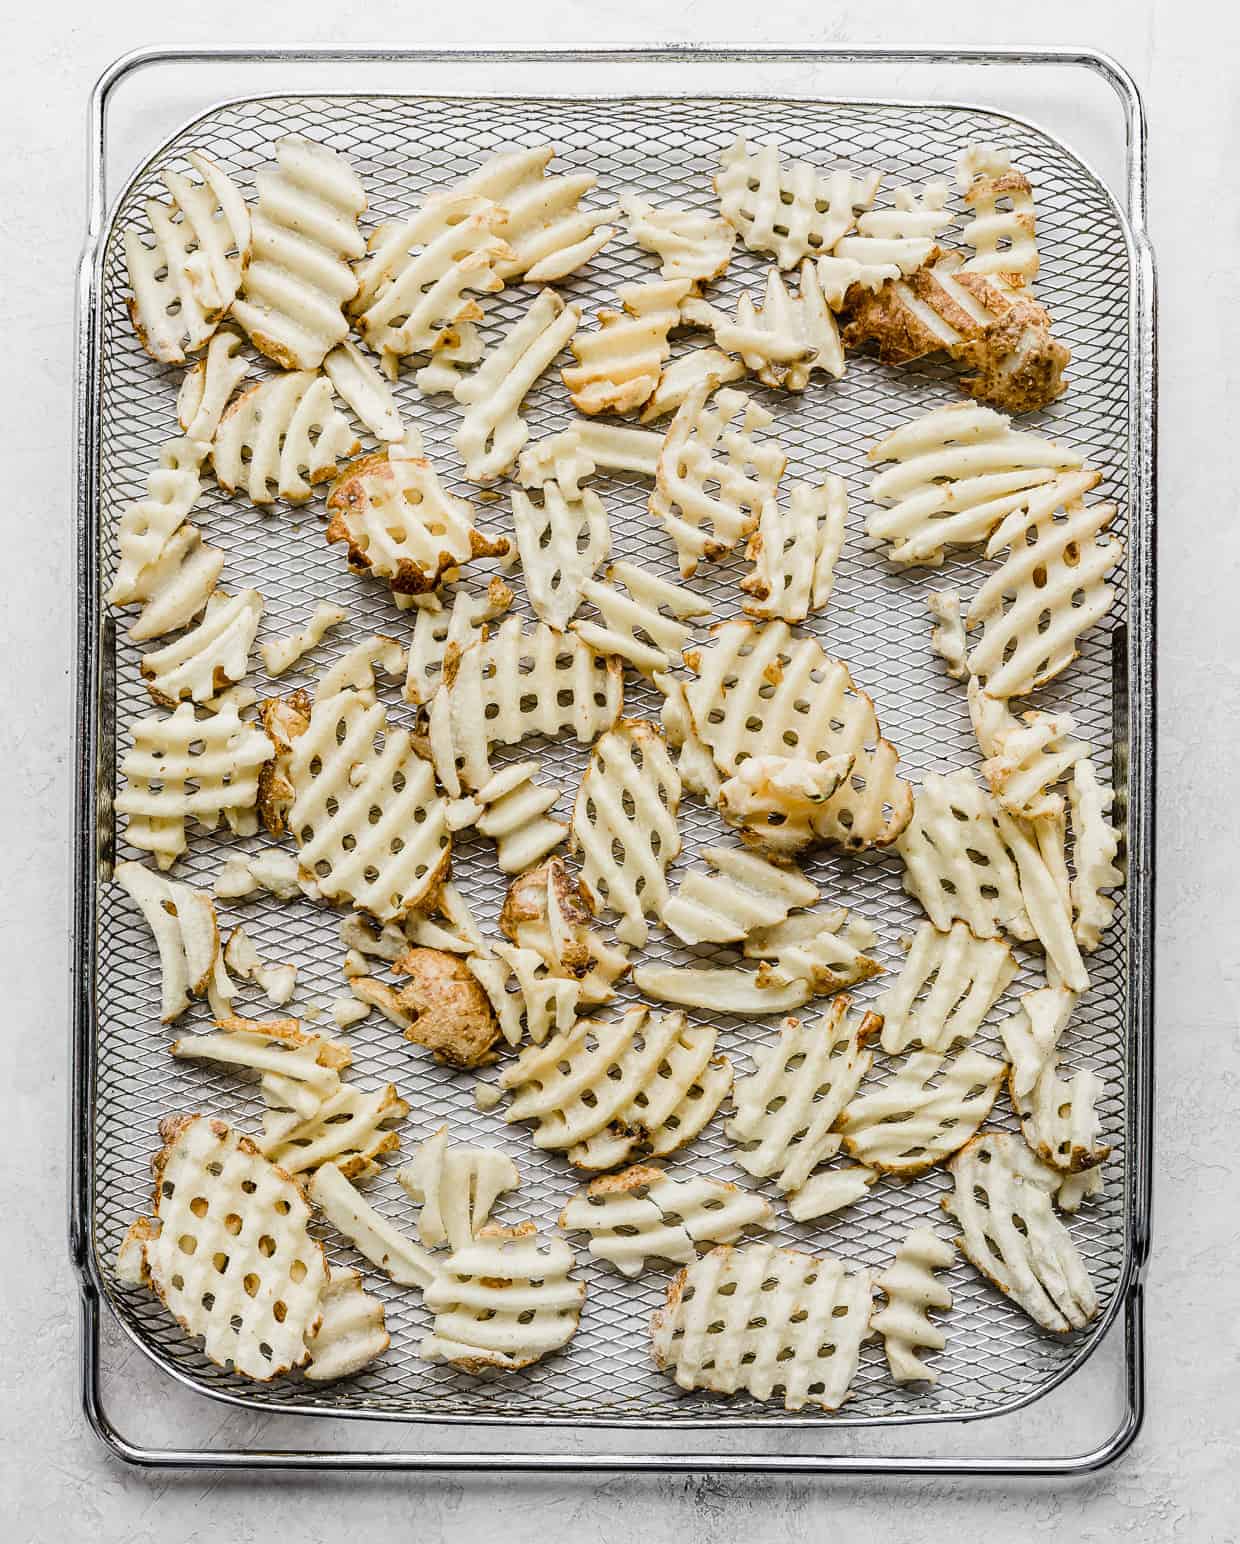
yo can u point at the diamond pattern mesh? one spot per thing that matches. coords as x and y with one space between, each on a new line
877 621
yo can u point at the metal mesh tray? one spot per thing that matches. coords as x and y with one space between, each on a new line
403 147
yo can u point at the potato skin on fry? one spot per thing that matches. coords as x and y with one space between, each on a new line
451 1015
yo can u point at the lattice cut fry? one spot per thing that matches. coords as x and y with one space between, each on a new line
838 275
783 340
642 1214
1025 757
279 1050
176 587
207 387
949 983
419 275
1003 230
618 448
401 524
368 1230
787 1109
210 658
758 1318
460 345
633 625
369 824
182 921
442 632
772 800
829 1190
514 684
561 544
549 233
824 949
352 1331
285 434
560 458
719 989
1002 1202
187 768
147 526
547 911
305 235
907 1126
492 431
698 773
456 1187
504 1300
350 1128
959 472
682 375
513 813
1047 591
947 635
741 893
1096 843
624 825
901 238
281 654
760 691
356 669
359 384
689 245
527 998
794 551
911 1290
790 209
643 1082
619 363
713 475
185 282
1031 1034
228 1250
1059 1119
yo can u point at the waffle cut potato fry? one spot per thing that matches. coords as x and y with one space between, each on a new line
513 813
1026 756
547 911
1059 1118
698 773
788 208
756 1318
208 386
280 438
714 475
296 1069
492 431
1003 230
514 684
1009 1231
504 1300
399 523
369 825
441 1007
689 245
794 552
760 691
783 340
632 604
352 1330
183 924
643 1214
550 235
908 1125
720 989
620 361
740 893
619 448
772 800
825 949
146 528
947 635
212 657
788 1108
624 826
562 543
948 984
444 629
1031 1034
185 281
281 654
958 472
686 372
182 767
351 1129
175 589
228 1251
911 1290
370 1233
456 1187
1095 846
1048 590
560 458
305 237
901 237
642 1083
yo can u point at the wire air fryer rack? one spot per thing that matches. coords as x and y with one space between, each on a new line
877 621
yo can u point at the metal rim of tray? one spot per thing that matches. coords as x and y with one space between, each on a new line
92 665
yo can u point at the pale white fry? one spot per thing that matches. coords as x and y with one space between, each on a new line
504 1300
280 438
1040 861
271 870
442 632
902 237
1096 843
794 551
948 984
631 604
186 280
368 1230
947 637
698 773
959 472
682 375
1049 589
1003 230
356 668
624 825
911 1290
1031 1034
455 1186
772 800
783 340
620 361
492 431
721 989
208 385
619 448
349 1128
281 654
547 911
525 996
788 208
688 244
460 345
1026 756
829 1190
358 383
146 527
908 1125
756 1318
305 236
560 458
177 586
713 474
839 275
352 1331
788 1109
1059 1119
562 544
1077 1188
642 1214
209 658
826 949
276 1050
183 925
741 892
513 813
1008 1229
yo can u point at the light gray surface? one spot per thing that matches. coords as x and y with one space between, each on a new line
1180 1480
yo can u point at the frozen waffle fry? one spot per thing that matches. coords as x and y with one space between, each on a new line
907 1125
442 632
562 544
689 245
281 437
794 551
208 386
456 1187
1003 230
146 527
182 922
825 949
788 208
632 604
1096 843
368 1230
911 1289
741 893
352 1331
948 984
620 361
211 657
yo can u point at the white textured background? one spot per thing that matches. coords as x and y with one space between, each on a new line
1180 1482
